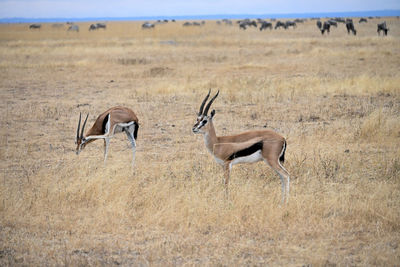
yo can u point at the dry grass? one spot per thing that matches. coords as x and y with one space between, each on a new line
336 98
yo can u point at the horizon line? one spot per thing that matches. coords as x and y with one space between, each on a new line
382 12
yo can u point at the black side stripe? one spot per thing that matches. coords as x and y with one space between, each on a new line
135 132
104 124
247 151
282 158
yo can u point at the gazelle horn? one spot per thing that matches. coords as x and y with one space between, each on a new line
83 126
209 104
204 102
79 126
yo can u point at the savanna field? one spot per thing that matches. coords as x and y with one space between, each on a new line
336 99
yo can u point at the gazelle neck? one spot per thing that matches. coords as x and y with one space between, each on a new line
210 137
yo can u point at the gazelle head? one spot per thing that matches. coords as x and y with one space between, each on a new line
203 120
80 139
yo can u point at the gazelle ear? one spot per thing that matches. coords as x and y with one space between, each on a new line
212 113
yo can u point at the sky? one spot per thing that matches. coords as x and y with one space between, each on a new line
144 8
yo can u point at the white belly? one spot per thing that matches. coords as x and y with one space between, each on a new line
257 156
120 126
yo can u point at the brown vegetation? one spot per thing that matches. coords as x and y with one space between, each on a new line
336 98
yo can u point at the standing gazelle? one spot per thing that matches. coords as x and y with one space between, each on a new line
110 122
247 147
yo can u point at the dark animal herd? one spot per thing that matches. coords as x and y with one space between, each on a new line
324 27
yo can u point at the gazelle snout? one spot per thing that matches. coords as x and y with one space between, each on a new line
197 126
78 149
80 145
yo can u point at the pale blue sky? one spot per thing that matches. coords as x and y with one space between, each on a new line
126 8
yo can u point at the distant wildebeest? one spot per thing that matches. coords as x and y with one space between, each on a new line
326 27
147 25
245 23
242 25
382 27
290 24
280 24
299 20
332 23
350 27
57 25
339 20
319 24
349 20
35 26
195 23
73 28
227 22
92 27
362 20
101 26
265 25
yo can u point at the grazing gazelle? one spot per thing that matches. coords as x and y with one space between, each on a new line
110 122
247 147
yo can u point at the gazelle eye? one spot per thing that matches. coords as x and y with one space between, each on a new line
204 121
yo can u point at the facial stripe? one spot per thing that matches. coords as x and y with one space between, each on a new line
201 121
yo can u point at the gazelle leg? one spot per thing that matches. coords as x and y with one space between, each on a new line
285 178
287 187
129 134
106 145
227 171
